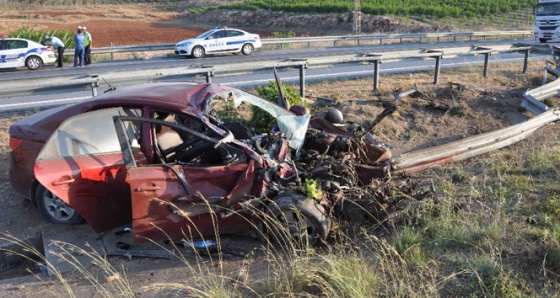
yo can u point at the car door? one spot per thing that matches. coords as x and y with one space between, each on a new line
216 42
195 194
82 164
235 40
13 53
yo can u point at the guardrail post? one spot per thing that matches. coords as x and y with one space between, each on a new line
94 85
526 61
375 76
112 58
436 74
209 75
302 80
486 58
94 89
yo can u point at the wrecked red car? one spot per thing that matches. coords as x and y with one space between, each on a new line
157 156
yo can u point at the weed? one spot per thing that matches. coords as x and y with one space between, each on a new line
312 189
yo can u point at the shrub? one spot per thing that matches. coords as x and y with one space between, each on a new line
261 121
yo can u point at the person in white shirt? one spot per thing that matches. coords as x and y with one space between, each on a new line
59 46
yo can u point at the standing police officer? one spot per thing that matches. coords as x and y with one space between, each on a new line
87 44
59 46
79 38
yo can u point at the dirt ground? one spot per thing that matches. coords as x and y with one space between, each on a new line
437 116
112 25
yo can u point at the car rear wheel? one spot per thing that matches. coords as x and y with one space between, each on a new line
33 62
198 52
296 219
54 209
247 49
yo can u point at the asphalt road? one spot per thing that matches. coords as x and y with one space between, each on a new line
53 96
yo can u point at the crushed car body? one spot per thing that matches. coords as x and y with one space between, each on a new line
176 173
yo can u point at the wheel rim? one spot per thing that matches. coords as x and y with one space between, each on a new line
298 226
56 208
247 49
33 63
198 52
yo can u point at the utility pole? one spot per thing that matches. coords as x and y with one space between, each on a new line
357 18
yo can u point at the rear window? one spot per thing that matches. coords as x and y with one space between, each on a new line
234 33
89 134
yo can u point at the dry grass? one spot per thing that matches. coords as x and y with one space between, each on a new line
491 230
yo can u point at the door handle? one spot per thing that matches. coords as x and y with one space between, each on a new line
63 182
147 188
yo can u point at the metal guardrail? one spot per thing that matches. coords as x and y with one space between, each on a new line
469 147
13 86
334 39
534 98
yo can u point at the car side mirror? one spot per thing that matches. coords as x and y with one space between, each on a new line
209 37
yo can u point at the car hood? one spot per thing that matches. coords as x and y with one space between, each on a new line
186 40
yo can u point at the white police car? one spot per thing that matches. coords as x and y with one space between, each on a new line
18 52
219 41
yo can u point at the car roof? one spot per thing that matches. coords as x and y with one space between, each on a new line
175 93
181 93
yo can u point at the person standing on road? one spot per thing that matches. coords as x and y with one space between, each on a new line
59 46
87 44
79 52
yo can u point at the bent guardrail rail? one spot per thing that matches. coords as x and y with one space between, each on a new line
534 98
469 147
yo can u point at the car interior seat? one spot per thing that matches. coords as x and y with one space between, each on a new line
167 138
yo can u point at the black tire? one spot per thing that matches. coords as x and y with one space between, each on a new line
247 49
198 52
296 219
54 209
543 40
33 62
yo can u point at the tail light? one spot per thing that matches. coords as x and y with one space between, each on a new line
256 37
49 49
14 143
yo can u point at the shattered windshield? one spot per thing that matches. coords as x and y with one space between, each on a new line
292 126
